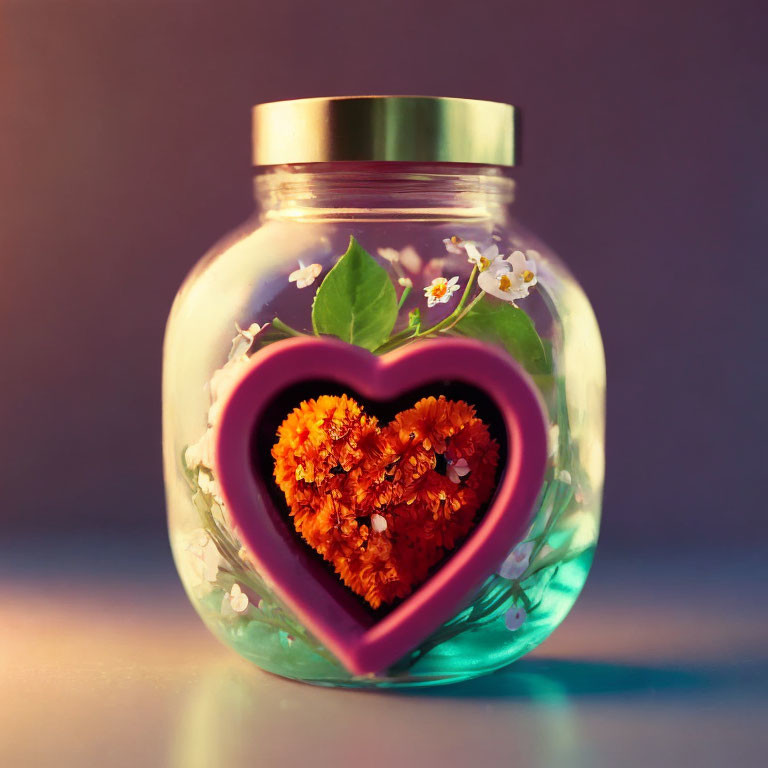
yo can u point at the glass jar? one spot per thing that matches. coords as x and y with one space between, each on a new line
392 245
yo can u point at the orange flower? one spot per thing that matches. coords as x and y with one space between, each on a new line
337 468
425 423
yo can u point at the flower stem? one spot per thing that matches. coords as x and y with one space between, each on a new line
465 295
394 341
404 296
404 337
463 314
281 326
449 321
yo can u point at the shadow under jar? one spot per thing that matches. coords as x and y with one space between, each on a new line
384 223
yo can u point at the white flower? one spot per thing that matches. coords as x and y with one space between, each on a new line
209 485
242 342
406 282
510 278
235 600
456 245
524 266
410 259
440 290
224 378
200 452
553 439
517 562
485 260
204 556
378 523
305 276
245 555
392 255
482 260
456 470
222 383
515 617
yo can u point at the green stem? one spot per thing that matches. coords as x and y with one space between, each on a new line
403 337
521 595
465 295
464 313
281 326
559 505
226 549
252 581
448 321
404 296
393 342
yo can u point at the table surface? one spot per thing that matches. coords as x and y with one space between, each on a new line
663 662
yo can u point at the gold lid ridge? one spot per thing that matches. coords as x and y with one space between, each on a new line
418 129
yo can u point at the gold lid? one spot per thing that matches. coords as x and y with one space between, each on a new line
419 129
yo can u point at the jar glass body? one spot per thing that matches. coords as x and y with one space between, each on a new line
405 217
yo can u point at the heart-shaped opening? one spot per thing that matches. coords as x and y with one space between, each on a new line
443 462
281 376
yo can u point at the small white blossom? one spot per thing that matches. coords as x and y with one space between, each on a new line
238 599
525 267
235 600
485 260
204 556
511 278
305 276
242 342
209 485
406 282
410 259
456 245
200 453
517 562
244 555
515 618
392 255
553 439
378 523
219 387
456 470
222 383
440 290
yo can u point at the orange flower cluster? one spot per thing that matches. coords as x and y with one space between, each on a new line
371 500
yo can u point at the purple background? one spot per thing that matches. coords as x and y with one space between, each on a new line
124 153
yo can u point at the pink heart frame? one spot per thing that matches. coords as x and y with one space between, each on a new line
319 600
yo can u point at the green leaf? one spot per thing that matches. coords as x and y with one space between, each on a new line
500 323
357 301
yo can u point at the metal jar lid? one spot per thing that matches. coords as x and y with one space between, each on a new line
418 129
